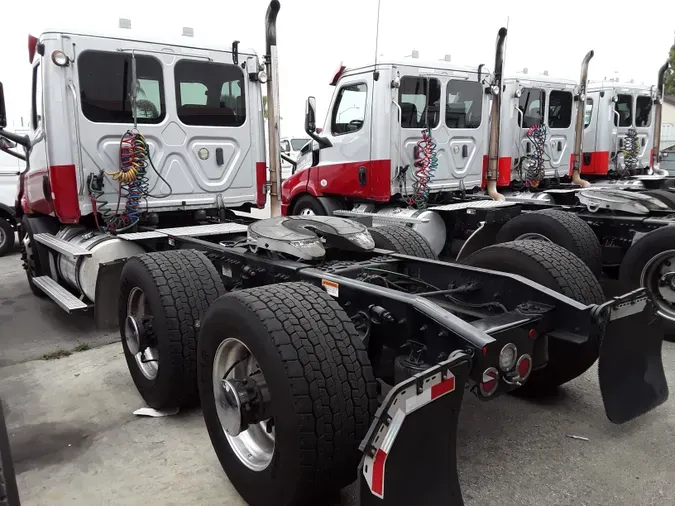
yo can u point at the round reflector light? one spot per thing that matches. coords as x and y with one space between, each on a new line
508 357
490 381
524 366
60 59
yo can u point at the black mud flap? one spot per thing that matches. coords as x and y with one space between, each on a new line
410 454
632 379
107 294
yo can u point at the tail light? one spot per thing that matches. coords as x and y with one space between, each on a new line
490 382
524 367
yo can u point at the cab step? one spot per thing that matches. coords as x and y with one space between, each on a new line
66 300
191 231
61 246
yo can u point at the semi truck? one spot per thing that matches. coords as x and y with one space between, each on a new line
323 350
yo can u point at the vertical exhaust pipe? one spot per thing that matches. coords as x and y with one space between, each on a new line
495 112
658 119
273 115
579 127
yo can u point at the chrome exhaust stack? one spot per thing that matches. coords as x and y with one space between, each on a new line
579 127
658 119
495 113
273 136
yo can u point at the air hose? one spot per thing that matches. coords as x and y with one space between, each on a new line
631 152
426 163
533 164
134 159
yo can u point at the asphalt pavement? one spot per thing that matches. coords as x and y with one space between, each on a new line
77 442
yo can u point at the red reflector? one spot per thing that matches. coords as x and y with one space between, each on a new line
524 366
32 46
490 381
443 388
485 350
532 334
378 473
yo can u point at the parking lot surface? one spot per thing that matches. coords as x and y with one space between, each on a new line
76 440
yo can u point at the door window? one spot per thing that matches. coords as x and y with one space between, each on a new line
560 109
464 106
349 111
210 94
588 112
420 101
624 106
106 87
643 111
531 105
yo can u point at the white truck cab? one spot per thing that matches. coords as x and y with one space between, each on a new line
195 104
376 133
291 146
612 110
537 129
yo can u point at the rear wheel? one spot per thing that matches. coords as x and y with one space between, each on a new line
163 298
650 263
557 268
402 240
560 227
664 196
6 236
287 392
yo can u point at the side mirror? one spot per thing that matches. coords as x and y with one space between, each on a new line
310 124
3 111
310 115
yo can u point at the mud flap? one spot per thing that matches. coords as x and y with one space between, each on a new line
410 450
107 294
630 369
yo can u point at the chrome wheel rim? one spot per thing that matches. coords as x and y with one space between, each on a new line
135 328
658 277
307 212
254 446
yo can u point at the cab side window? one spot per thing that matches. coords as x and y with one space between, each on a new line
349 111
532 104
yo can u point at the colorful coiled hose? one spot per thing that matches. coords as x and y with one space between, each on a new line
534 171
426 163
631 153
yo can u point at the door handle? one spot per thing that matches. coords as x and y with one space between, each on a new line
528 148
559 146
643 142
362 176
465 151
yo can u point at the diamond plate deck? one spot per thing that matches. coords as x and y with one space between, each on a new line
477 204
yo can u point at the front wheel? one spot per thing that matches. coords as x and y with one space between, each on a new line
6 237
287 392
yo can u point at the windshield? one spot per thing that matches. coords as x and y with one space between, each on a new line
298 143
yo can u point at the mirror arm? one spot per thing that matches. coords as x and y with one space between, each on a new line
323 141
291 161
12 153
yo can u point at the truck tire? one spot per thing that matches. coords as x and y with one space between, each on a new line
322 391
9 493
166 294
6 237
402 239
640 265
557 268
560 227
307 205
668 198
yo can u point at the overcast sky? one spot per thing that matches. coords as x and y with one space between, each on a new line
315 36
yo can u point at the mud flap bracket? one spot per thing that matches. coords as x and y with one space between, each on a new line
410 450
630 369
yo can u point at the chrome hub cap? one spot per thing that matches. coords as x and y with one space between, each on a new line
307 212
136 334
242 404
658 276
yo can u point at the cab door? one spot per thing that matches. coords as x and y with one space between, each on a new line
347 168
561 131
643 125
